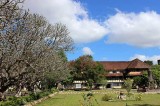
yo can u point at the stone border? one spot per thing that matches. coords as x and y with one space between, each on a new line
40 100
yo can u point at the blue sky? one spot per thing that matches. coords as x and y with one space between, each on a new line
102 9
111 30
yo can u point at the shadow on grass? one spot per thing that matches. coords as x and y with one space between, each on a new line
142 105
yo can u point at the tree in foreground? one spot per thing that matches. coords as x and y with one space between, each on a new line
128 85
84 68
30 47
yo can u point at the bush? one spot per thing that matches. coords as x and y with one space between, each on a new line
46 93
13 101
88 99
35 96
38 95
27 98
54 90
138 97
106 97
89 94
19 101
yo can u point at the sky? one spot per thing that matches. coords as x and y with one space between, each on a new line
109 30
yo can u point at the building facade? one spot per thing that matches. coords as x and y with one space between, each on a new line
118 71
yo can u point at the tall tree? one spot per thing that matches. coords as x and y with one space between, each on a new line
149 62
156 74
84 68
141 81
29 47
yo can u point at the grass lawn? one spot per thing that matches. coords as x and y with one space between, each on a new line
74 98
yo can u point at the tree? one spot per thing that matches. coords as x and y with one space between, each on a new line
141 81
128 85
60 73
104 83
29 47
149 62
84 68
156 74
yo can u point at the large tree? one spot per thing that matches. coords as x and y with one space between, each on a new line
29 47
141 81
156 74
84 68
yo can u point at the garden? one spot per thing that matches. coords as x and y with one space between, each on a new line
35 70
101 98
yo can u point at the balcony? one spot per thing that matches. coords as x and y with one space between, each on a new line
115 81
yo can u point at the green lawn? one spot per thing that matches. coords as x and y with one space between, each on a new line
75 99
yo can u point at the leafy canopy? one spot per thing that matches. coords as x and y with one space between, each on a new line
84 68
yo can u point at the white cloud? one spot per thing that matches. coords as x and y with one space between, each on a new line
138 29
87 51
143 58
71 13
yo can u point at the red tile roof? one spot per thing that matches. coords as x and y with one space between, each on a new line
115 65
138 64
123 65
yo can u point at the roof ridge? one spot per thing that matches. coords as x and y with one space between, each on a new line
135 63
113 61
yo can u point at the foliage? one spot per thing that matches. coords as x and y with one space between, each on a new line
19 101
106 97
14 101
128 85
90 83
149 62
72 98
30 47
84 68
88 99
156 74
51 77
68 81
104 83
54 90
138 97
141 81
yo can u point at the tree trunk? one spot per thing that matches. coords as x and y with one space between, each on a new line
151 81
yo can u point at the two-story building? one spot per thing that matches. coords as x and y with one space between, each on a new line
118 71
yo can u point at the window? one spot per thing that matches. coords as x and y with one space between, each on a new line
78 85
110 72
114 71
118 72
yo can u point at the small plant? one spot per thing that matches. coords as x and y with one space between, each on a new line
88 99
35 96
138 97
106 97
54 90
130 96
128 85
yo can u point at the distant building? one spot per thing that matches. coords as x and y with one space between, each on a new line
118 71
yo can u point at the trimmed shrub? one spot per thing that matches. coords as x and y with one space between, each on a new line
106 97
